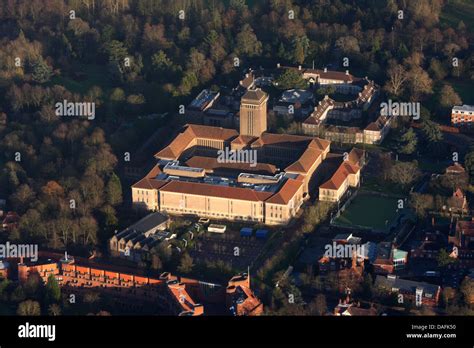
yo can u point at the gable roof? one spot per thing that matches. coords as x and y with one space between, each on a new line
340 176
304 163
149 184
192 132
286 193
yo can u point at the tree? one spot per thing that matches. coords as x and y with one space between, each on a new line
301 46
419 83
397 76
290 78
467 289
22 198
42 72
318 306
431 131
160 62
116 51
404 173
113 190
469 163
449 295
52 290
348 44
117 95
367 288
29 308
448 98
156 262
314 214
247 42
408 142
421 203
433 136
444 259
437 69
91 297
186 264
298 53
54 309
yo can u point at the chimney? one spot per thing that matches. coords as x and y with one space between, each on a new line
325 69
247 75
347 72
299 67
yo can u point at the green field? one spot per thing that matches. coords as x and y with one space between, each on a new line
94 75
456 11
369 211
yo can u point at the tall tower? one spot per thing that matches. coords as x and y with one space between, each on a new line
253 112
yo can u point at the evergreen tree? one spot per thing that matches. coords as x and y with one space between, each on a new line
114 190
53 292
42 72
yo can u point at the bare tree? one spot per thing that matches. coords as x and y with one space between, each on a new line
397 78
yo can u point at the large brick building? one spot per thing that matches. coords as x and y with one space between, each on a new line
420 293
189 178
347 175
462 115
167 293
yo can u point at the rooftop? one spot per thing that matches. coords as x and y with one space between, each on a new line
465 108
393 282
254 96
204 100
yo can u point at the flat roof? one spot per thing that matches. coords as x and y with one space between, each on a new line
464 108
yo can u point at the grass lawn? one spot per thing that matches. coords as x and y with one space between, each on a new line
371 211
456 11
95 75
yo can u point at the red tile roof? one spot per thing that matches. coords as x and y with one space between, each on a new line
149 184
286 193
340 176
304 163
192 132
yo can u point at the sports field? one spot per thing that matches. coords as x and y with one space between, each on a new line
369 211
